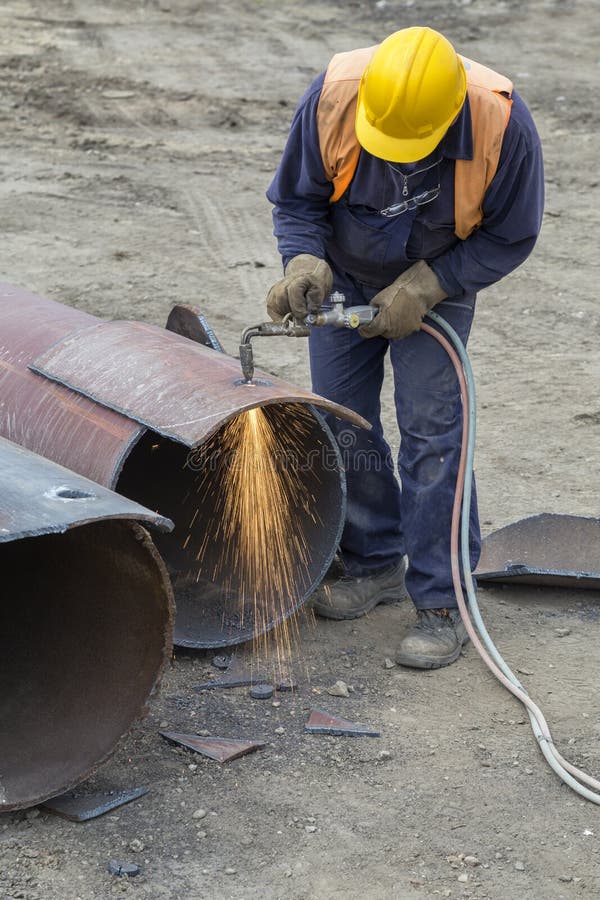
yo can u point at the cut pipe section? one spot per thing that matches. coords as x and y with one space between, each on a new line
148 413
86 624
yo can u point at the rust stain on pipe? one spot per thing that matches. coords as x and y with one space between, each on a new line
54 422
86 624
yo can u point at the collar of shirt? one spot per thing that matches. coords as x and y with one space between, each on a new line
457 143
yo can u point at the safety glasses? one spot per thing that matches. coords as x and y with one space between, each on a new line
412 203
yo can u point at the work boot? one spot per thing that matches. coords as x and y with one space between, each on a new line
435 641
344 597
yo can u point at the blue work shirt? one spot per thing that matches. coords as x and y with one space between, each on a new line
356 238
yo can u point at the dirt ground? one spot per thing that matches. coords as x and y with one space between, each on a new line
137 141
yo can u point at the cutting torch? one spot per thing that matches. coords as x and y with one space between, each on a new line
334 313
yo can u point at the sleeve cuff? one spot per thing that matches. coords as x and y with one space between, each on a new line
447 281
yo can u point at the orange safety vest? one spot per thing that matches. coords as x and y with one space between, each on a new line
490 112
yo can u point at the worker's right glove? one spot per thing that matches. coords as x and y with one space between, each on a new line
308 281
404 302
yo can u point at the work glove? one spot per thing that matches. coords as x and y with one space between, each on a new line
403 304
308 281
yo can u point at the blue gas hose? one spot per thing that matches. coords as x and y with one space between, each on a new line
480 637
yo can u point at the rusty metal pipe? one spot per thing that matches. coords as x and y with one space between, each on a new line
86 624
125 403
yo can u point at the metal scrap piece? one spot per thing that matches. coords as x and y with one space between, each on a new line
547 549
122 868
79 807
321 722
287 684
221 749
261 691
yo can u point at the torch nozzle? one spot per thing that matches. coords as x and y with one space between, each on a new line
338 315
247 361
288 327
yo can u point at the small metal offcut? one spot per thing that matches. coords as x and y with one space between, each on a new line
218 748
320 722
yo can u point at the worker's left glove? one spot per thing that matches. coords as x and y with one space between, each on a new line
403 304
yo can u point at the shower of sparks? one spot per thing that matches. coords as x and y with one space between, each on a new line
256 505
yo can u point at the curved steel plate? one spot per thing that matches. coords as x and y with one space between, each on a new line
187 391
40 497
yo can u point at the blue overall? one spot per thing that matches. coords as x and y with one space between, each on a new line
367 251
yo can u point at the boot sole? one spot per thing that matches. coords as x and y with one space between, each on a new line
386 597
426 662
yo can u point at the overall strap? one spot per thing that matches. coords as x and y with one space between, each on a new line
490 112
336 113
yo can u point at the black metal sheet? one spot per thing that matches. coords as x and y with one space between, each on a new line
546 549
189 322
79 807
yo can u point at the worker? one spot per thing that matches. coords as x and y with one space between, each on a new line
411 179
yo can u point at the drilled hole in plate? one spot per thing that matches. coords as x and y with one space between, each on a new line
67 493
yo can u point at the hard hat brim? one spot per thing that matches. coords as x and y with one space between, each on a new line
394 149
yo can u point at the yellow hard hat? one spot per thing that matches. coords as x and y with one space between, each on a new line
409 95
